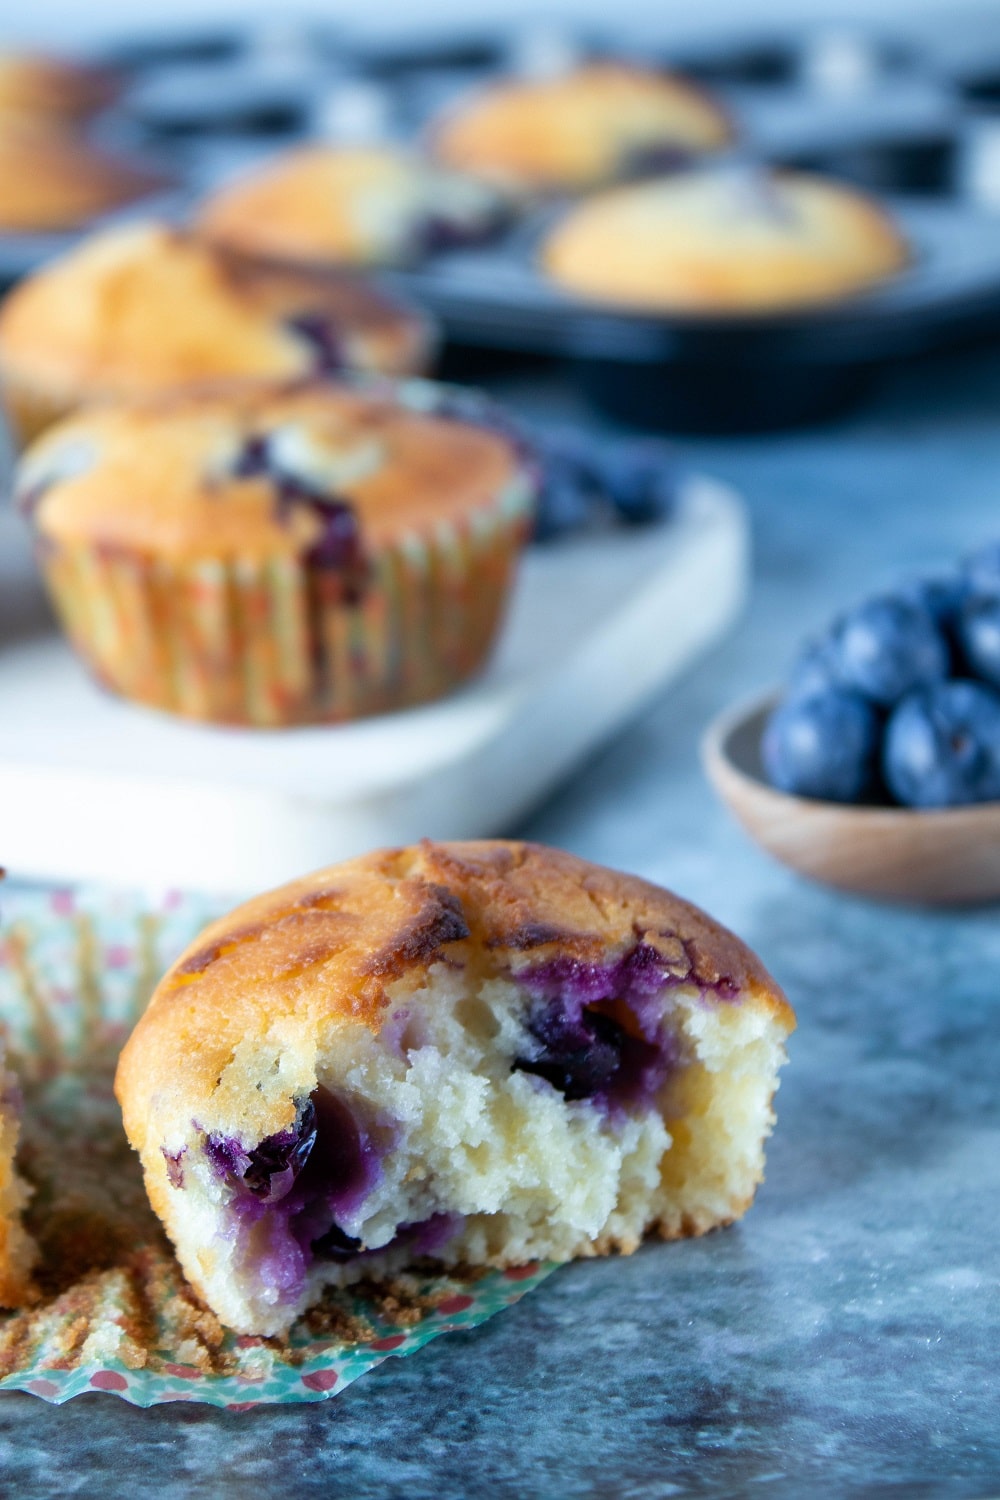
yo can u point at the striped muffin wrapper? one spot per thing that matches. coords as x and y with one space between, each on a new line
282 642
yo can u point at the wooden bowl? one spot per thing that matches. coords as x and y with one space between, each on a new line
942 857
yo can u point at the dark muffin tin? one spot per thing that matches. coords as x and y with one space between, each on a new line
914 118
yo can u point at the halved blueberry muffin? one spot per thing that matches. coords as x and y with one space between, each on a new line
580 128
148 308
724 239
17 1251
351 205
485 1053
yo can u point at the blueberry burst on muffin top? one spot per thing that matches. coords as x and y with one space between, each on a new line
484 1053
324 205
899 700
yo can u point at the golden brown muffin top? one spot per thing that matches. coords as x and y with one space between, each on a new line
320 952
724 239
53 86
579 128
146 307
352 204
254 472
51 181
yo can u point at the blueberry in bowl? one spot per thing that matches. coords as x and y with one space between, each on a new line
942 746
978 630
824 745
877 768
886 647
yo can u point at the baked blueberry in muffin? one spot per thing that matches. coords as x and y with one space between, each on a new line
580 128
487 1053
733 239
148 308
277 554
337 205
17 1251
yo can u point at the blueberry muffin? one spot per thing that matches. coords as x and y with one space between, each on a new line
340 205
487 1053
17 1252
51 181
582 128
724 240
275 555
53 88
147 308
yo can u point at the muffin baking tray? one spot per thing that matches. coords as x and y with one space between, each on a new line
599 622
698 373
915 119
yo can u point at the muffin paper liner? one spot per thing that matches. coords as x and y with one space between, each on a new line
114 1311
283 641
277 643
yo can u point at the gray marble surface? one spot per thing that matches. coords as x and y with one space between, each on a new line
843 1340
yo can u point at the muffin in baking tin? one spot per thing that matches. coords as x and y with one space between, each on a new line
52 180
487 1053
727 239
148 308
53 88
273 555
356 205
579 129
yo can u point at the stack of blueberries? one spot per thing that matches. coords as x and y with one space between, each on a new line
586 481
899 701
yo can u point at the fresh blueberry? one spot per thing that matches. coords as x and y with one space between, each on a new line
887 647
565 501
571 489
824 746
979 634
982 569
941 595
942 746
814 672
571 449
578 1056
583 476
639 479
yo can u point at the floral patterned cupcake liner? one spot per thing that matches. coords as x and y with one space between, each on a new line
114 1312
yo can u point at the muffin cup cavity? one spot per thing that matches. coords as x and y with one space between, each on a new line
287 640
